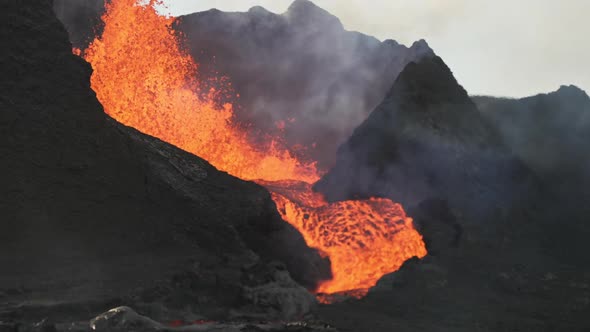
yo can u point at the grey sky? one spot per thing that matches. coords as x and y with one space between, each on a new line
502 47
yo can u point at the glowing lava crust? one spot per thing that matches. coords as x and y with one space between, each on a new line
145 80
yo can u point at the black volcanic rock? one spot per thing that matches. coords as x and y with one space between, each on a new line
427 140
94 211
301 68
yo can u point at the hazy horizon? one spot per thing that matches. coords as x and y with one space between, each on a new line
498 48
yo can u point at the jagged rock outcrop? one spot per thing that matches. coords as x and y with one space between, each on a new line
428 140
92 210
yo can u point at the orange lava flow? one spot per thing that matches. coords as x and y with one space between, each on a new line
144 79
364 239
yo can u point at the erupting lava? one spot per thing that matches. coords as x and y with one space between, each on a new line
144 79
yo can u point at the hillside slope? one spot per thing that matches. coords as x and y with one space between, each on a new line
94 211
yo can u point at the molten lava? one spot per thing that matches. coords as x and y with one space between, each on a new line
144 79
364 239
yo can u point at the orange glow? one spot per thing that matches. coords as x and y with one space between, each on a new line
364 239
145 80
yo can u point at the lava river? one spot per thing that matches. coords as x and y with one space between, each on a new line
145 79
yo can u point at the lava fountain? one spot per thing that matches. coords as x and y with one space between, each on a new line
146 80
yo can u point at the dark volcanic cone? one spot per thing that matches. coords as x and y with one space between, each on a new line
426 139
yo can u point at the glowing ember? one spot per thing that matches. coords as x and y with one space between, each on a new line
145 80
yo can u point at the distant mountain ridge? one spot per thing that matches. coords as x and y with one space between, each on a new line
550 132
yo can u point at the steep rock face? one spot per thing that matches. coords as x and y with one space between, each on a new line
427 140
92 210
299 70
